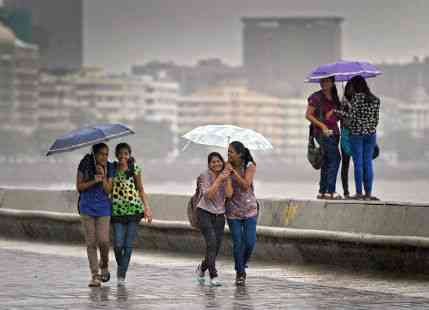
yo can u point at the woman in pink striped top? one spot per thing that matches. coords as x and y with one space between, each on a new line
215 186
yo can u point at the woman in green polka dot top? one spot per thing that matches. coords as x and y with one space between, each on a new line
129 205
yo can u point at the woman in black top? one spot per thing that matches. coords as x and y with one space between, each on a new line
363 119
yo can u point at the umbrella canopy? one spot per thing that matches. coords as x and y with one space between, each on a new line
87 136
222 135
343 71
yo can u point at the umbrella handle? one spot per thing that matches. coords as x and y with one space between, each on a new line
186 145
228 141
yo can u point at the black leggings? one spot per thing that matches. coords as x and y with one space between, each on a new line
345 164
212 227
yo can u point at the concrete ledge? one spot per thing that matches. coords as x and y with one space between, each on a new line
399 253
376 218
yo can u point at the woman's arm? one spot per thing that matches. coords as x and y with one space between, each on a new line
309 115
229 191
107 185
82 185
246 182
211 189
138 178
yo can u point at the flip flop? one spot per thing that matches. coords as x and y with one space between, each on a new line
105 276
371 198
321 196
333 196
357 197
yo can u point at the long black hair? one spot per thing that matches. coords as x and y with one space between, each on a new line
131 162
334 92
348 91
88 162
360 86
244 153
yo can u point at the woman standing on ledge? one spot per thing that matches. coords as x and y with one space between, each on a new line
215 187
129 205
363 117
94 183
242 208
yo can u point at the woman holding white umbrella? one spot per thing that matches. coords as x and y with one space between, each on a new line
242 208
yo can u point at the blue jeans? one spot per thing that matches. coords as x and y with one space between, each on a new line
124 235
330 163
243 233
362 152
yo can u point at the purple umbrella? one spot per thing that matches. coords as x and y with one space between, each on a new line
343 71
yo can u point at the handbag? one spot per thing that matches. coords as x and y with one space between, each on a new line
314 152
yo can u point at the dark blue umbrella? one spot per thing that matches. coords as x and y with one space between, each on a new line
90 135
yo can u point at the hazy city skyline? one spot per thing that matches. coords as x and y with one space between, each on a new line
119 34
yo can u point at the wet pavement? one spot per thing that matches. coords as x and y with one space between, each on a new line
46 276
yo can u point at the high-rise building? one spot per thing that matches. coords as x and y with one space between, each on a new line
236 106
109 98
57 102
57 30
19 74
205 74
415 113
279 52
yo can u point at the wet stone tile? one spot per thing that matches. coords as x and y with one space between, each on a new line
47 281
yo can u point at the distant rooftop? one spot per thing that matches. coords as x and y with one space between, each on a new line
284 19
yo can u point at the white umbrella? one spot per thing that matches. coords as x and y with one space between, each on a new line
222 135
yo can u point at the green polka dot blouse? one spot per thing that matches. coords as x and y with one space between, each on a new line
125 196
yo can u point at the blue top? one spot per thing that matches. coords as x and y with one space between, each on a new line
95 201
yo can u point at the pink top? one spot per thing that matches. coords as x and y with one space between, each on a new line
243 203
318 101
215 205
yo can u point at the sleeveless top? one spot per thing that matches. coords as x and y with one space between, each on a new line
242 204
126 202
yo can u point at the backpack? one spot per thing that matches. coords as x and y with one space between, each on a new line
192 206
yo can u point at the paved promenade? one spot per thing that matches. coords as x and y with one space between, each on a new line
39 276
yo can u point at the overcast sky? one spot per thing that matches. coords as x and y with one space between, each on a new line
121 33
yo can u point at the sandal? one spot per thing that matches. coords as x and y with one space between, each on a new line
105 276
357 197
371 198
333 196
321 196
95 281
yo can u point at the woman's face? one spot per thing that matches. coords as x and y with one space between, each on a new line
326 84
123 155
216 164
233 156
102 156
